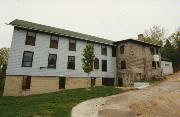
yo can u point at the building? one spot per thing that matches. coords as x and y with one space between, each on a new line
45 59
166 66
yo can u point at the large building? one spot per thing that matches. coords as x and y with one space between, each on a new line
44 59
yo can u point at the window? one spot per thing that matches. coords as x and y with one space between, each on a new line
152 51
157 51
26 83
62 82
96 63
122 49
158 64
72 45
123 64
30 38
52 60
27 59
104 65
71 62
103 50
154 64
166 64
54 42
113 51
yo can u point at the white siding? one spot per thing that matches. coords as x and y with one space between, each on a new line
41 51
167 67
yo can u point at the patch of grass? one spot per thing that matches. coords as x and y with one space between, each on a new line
57 104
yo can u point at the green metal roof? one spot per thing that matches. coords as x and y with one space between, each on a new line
49 29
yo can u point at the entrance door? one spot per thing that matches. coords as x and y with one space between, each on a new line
93 81
62 82
120 82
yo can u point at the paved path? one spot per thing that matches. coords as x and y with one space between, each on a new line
162 100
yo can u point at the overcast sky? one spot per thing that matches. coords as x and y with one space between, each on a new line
110 19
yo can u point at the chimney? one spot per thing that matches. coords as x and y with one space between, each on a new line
141 37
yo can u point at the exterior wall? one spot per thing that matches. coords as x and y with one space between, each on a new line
41 51
46 84
167 67
138 63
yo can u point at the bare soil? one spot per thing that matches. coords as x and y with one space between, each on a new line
160 100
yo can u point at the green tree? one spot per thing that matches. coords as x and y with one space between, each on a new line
155 35
3 56
88 59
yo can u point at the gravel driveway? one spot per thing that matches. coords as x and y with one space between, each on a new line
162 100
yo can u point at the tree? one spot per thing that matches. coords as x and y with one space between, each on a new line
155 35
88 59
3 56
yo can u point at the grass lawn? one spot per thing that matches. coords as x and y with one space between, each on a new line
57 104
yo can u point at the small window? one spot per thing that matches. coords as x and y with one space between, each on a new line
96 63
72 45
157 51
54 42
152 51
166 64
52 60
154 64
26 83
122 49
27 59
158 64
62 82
113 51
104 65
71 62
30 38
123 64
103 50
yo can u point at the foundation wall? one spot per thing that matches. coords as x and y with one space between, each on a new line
39 85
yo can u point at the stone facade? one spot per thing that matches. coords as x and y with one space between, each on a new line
39 85
138 59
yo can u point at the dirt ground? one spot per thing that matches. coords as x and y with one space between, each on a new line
161 100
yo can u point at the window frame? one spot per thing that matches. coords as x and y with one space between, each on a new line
26 41
104 53
22 65
70 48
55 61
104 69
96 63
123 64
68 66
53 40
121 49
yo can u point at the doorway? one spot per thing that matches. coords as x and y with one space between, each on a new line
120 82
93 81
62 82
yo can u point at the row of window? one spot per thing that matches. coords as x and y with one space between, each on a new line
31 38
28 59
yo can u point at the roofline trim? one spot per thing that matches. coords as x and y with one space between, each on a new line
60 34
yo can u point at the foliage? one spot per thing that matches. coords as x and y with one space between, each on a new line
57 104
88 58
3 56
155 35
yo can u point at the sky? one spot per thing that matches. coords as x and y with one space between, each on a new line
111 19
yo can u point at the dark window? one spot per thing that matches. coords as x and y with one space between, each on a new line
157 51
104 65
96 63
113 51
26 83
54 42
103 50
30 38
27 59
52 60
122 49
72 45
62 82
71 62
158 64
123 64
154 64
152 51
